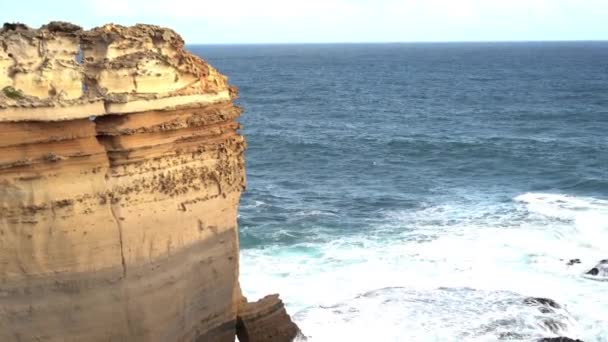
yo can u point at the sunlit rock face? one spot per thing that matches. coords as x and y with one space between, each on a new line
121 169
41 63
60 72
146 67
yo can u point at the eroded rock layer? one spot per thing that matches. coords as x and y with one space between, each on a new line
121 169
60 72
265 321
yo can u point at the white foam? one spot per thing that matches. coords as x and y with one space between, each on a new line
520 247
564 206
589 216
446 314
315 213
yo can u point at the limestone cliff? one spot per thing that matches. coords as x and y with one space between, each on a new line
121 168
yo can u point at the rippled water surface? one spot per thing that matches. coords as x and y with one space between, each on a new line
419 192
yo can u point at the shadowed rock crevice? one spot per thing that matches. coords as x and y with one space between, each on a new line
122 252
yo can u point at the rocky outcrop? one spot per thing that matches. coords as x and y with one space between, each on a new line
544 305
599 271
60 72
572 262
265 321
121 169
547 306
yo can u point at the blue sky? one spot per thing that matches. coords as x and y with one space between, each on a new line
277 21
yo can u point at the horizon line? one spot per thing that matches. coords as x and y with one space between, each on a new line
414 42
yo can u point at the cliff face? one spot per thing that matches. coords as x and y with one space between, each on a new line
121 170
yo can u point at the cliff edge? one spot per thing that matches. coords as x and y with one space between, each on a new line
121 169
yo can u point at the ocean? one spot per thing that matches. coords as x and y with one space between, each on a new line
420 192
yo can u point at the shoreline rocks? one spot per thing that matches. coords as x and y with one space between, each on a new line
265 321
599 271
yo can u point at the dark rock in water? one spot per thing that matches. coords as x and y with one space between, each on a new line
600 270
553 325
558 339
545 305
574 261
542 301
511 336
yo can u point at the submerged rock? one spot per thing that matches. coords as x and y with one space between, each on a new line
573 262
553 325
599 272
544 305
547 306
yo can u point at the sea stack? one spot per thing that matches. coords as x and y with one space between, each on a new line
121 169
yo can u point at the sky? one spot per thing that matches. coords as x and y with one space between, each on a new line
323 21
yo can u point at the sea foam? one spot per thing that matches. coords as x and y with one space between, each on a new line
456 271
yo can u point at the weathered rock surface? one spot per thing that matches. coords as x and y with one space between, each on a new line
121 169
265 321
60 72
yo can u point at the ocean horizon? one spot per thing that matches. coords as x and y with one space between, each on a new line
457 42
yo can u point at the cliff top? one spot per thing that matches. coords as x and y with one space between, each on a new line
93 72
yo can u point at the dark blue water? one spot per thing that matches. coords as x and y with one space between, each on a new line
363 148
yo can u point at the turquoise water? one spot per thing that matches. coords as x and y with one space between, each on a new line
418 192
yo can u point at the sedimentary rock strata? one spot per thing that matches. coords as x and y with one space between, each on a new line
60 72
265 321
121 168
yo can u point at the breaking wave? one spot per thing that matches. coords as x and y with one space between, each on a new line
449 272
